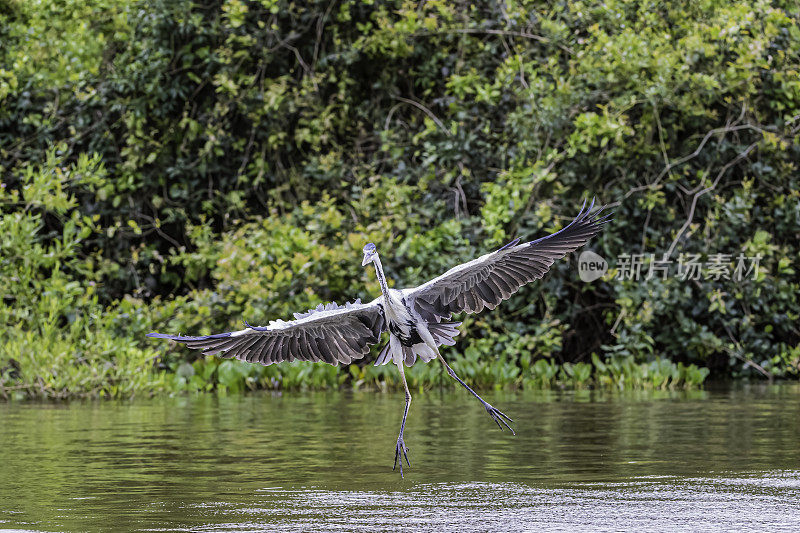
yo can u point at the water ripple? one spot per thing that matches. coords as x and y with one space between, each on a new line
710 460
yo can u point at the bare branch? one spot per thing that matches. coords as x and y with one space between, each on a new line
425 110
711 187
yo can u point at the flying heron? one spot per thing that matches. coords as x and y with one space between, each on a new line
417 318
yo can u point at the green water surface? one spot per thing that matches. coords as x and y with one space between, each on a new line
719 459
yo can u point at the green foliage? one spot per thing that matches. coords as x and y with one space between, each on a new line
58 339
180 167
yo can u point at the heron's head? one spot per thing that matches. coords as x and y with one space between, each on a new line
370 251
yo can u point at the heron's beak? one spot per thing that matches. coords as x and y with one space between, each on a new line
367 259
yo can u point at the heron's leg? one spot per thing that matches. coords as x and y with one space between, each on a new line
401 446
497 415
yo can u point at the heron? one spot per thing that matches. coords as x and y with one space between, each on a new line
418 319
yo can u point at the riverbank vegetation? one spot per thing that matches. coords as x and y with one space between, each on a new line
181 166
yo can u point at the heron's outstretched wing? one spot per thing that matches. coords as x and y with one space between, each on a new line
331 333
494 277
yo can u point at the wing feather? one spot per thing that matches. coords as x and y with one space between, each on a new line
242 348
294 344
255 350
331 333
304 352
494 277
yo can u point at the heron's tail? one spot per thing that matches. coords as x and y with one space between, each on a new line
385 356
443 333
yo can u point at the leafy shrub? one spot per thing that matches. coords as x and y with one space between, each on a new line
194 165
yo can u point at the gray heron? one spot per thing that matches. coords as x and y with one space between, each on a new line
418 318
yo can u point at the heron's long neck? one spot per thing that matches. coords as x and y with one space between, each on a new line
381 278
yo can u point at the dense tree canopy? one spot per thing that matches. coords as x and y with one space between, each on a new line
180 166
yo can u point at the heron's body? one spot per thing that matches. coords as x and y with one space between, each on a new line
409 336
400 320
416 318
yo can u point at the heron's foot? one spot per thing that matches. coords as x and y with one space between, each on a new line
499 417
399 453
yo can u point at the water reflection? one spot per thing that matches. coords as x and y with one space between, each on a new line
323 461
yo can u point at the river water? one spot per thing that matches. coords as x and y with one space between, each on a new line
718 460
